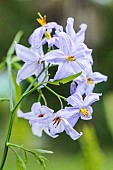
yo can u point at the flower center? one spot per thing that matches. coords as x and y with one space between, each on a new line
42 20
70 58
56 120
89 81
84 111
48 35
41 115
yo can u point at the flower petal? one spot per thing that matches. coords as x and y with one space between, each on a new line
66 44
27 115
25 54
98 77
64 70
69 28
91 98
55 57
70 131
80 35
37 129
36 37
26 71
75 100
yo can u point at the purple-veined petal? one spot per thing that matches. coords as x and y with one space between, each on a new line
50 42
69 28
75 114
89 88
64 70
56 128
66 44
55 57
36 37
25 54
36 108
37 129
98 77
75 100
47 131
26 71
81 88
27 115
70 131
73 87
91 98
80 35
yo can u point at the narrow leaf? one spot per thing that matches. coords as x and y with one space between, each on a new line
2 65
42 151
65 80
20 163
15 59
17 39
40 160
25 158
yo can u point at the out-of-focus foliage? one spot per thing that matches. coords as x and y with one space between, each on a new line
92 154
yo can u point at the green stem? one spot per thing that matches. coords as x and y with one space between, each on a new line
12 109
8 61
4 99
19 147
59 96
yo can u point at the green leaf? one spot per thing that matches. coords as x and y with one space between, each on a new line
40 160
16 39
4 99
25 157
2 65
17 88
65 80
20 163
15 59
42 151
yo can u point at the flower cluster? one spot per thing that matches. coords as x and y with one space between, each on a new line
67 50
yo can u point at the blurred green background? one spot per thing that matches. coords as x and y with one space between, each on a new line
94 150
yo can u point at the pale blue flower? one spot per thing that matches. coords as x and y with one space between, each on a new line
38 119
60 123
41 118
45 34
87 81
78 37
33 64
82 107
69 57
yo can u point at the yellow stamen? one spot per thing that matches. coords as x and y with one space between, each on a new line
89 81
70 58
84 111
48 35
42 21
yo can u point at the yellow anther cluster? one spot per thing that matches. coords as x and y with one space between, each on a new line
70 58
89 81
42 21
84 111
